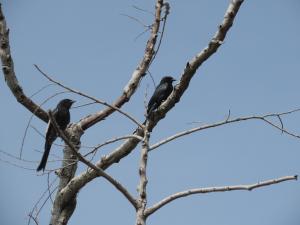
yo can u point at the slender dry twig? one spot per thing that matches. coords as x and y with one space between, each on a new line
33 218
246 187
40 90
49 186
89 97
143 10
137 20
83 105
229 121
112 141
140 34
100 172
16 157
152 78
16 165
96 148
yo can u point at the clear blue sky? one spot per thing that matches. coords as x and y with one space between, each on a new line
91 47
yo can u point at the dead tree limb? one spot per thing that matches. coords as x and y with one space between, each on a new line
10 76
246 187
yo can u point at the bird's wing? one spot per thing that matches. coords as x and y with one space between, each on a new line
158 94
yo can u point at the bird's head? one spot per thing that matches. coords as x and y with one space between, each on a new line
66 103
167 79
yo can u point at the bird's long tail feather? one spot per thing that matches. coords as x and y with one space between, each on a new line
43 162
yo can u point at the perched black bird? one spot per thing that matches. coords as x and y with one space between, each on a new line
161 93
62 116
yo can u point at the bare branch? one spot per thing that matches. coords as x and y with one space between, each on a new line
100 172
247 187
136 76
142 199
89 97
229 121
10 76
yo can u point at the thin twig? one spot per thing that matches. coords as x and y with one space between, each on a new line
112 141
49 186
247 187
16 165
140 34
281 123
136 20
33 218
152 78
40 90
16 157
143 10
83 105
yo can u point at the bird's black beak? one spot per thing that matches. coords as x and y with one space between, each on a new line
73 101
173 79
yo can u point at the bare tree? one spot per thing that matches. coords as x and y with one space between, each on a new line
70 184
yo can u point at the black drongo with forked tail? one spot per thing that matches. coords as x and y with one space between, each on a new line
161 93
62 116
